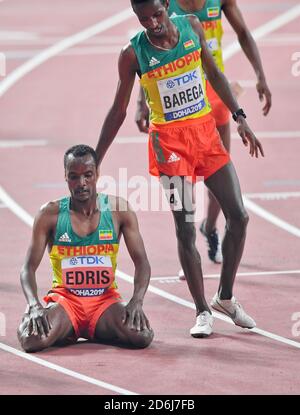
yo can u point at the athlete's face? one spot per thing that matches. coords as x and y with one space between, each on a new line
81 176
153 15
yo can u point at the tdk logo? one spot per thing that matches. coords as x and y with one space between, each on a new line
87 260
170 84
186 78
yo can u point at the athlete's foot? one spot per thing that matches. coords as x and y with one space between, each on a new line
214 244
234 310
203 326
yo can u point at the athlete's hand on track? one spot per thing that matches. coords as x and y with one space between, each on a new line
38 322
264 93
134 317
249 138
142 117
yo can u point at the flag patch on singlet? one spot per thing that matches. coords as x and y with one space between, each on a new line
213 11
106 235
189 44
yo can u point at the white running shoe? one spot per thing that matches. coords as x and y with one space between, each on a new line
181 275
203 326
234 310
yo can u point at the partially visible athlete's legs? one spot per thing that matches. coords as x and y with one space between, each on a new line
214 208
61 330
180 194
224 184
111 329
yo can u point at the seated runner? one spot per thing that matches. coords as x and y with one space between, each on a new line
83 233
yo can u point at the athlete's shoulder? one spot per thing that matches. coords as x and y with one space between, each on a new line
194 22
47 215
49 210
192 18
128 57
51 207
225 3
127 50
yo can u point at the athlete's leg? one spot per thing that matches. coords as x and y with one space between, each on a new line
111 329
61 329
214 208
180 195
224 184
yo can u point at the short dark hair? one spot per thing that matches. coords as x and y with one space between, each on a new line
80 150
133 2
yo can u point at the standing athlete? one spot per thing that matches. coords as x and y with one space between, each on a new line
83 233
170 56
209 12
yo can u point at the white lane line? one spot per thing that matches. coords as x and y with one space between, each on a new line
65 371
61 46
275 220
142 139
20 213
265 29
15 208
245 274
220 316
22 143
273 195
17 36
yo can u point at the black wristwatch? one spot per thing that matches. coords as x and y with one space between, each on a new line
240 111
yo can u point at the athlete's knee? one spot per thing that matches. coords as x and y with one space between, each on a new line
31 343
243 218
186 234
238 220
142 339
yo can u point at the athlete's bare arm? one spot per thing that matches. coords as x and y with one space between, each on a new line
42 233
142 112
128 67
222 87
235 18
134 316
